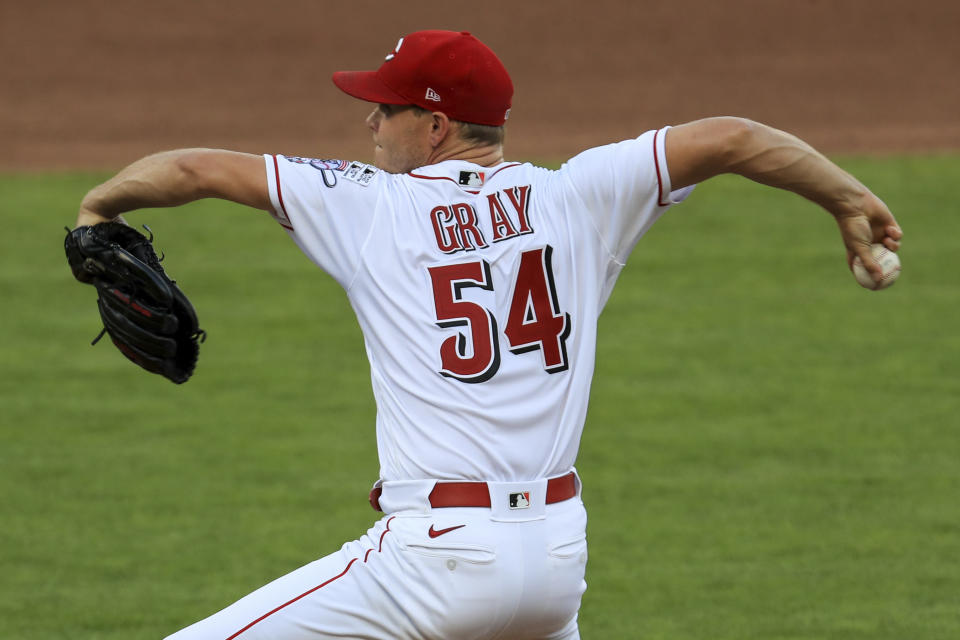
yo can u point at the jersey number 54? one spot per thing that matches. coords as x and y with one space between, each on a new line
534 322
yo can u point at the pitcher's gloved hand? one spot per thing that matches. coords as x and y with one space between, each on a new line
146 314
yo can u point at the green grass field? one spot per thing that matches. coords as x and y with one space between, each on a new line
772 452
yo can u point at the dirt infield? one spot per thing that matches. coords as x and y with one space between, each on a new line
100 83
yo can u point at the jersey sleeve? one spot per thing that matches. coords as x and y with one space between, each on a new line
327 207
624 187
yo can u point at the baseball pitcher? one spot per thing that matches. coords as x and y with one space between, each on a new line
477 283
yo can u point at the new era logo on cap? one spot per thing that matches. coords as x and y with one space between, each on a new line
445 71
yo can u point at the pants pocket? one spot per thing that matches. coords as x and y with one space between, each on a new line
473 554
575 548
567 562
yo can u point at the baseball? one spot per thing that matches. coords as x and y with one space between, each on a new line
889 262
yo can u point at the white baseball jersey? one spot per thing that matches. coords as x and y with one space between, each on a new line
478 290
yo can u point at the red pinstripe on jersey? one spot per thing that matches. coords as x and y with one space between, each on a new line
285 221
656 164
417 175
319 586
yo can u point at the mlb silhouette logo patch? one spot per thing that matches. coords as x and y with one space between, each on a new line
471 178
520 500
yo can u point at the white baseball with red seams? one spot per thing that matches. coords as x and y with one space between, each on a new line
478 290
889 262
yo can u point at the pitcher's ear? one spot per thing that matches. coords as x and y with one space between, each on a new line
439 127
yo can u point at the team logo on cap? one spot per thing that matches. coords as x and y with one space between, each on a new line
520 500
432 95
396 49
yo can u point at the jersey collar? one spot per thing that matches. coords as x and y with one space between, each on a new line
468 176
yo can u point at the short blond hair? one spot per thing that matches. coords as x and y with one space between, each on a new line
471 131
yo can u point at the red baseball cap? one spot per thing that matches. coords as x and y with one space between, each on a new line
446 71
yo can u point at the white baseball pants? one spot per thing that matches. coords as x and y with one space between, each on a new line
419 573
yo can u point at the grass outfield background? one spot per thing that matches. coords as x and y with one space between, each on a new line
771 452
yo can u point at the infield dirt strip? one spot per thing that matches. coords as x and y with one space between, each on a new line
100 83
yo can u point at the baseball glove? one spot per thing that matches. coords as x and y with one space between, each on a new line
148 317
